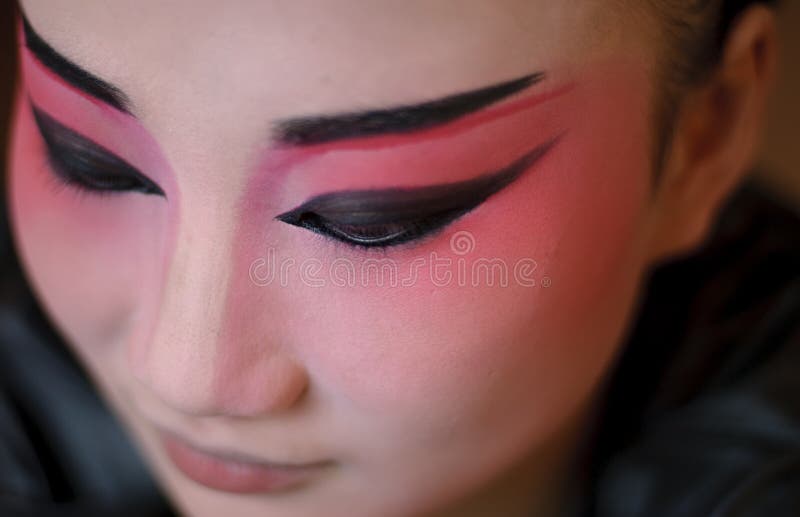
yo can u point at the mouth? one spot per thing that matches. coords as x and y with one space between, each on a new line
231 472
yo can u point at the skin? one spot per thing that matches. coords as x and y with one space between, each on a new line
431 398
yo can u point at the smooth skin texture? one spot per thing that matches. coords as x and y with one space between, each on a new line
433 398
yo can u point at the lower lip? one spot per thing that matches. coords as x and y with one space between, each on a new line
231 476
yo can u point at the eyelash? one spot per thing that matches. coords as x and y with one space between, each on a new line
61 179
85 178
83 167
406 235
361 206
59 185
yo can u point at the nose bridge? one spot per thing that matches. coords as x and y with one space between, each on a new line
207 352
176 357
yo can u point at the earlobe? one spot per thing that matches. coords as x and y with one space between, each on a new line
716 137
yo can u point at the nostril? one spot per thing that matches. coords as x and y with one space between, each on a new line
176 395
242 389
276 383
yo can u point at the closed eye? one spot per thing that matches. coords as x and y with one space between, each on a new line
388 217
80 163
375 235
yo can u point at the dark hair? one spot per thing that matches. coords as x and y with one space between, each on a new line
694 35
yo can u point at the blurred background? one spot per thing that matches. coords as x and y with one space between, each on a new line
779 164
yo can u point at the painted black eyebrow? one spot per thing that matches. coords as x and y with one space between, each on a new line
306 130
312 130
71 72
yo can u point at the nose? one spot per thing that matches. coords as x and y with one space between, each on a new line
204 344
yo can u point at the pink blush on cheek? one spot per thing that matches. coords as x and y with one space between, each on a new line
110 253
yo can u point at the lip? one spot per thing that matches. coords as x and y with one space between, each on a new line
230 473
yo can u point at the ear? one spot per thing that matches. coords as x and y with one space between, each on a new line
717 134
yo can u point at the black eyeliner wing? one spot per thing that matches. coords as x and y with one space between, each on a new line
387 206
72 154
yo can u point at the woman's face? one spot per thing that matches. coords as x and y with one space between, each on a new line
421 370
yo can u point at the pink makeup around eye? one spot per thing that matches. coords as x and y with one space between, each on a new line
591 113
479 143
118 132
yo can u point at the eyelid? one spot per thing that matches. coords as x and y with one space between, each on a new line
63 142
388 205
407 205
378 206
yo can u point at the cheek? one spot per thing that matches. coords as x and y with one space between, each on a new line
87 257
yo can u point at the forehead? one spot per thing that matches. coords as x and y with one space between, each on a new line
290 57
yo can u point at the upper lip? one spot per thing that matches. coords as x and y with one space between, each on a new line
240 457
